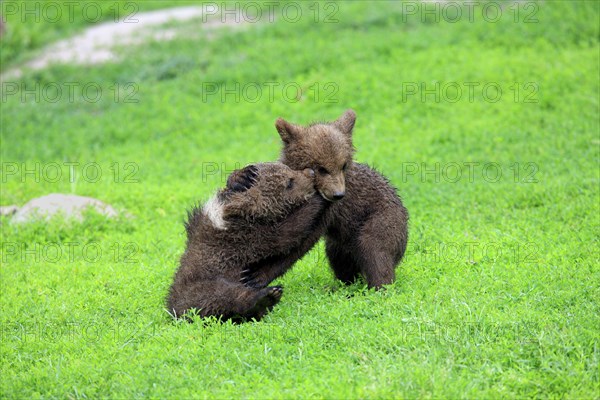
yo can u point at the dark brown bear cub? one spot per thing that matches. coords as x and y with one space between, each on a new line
366 224
262 218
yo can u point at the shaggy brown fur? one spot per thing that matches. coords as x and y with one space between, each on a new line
367 225
261 221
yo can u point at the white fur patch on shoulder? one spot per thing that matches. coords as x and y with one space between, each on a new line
213 209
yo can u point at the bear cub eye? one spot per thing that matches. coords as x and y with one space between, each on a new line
322 171
290 183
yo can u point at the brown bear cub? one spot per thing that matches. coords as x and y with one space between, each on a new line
366 224
261 220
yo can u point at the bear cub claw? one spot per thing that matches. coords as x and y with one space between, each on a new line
250 278
243 179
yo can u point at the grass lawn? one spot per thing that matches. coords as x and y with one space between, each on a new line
488 127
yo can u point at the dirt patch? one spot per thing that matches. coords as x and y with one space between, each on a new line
96 44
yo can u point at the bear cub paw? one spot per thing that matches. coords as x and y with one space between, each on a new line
243 179
269 297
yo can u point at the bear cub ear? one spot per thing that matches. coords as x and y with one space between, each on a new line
345 122
286 130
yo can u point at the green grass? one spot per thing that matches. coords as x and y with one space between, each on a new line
497 297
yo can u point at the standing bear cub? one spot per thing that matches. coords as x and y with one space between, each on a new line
263 218
366 224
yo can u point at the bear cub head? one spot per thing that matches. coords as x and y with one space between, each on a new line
275 191
325 147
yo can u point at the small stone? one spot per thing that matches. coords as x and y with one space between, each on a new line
70 206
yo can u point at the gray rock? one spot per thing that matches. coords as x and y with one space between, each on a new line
70 206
